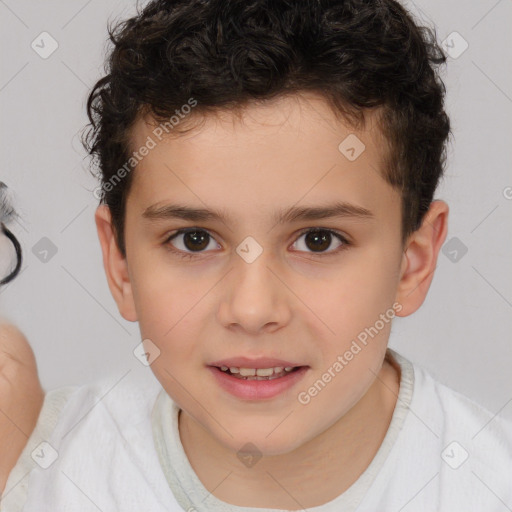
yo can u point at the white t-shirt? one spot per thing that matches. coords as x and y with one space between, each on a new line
115 446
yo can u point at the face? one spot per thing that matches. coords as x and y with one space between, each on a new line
293 258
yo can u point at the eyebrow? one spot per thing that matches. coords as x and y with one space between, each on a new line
339 209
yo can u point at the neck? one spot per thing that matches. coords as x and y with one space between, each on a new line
323 468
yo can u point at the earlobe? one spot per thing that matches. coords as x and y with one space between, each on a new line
115 264
420 258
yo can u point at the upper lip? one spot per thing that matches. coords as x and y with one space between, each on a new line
245 362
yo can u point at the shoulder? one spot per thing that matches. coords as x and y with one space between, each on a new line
107 414
96 436
475 443
453 412
126 398
459 452
14 494
470 446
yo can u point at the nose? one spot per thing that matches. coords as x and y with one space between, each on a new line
254 299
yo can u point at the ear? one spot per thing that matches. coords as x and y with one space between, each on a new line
420 258
116 268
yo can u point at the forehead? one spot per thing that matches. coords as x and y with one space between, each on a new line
283 151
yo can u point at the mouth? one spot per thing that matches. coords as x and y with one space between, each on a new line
274 372
257 380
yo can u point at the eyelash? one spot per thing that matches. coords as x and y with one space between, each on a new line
191 255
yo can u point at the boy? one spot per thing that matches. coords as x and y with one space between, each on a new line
298 145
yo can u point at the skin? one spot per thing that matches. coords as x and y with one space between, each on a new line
291 303
21 396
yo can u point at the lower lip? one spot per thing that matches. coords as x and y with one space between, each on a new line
257 389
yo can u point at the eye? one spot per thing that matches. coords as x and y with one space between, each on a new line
189 241
318 240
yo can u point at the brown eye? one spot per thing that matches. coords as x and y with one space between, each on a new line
196 240
319 240
191 240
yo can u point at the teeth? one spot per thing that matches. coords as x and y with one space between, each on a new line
247 372
264 372
256 373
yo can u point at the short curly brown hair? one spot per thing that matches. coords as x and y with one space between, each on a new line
358 54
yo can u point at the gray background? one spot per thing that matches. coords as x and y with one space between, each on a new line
462 332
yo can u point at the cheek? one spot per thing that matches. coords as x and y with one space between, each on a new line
162 294
358 308
169 320
358 289
170 311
